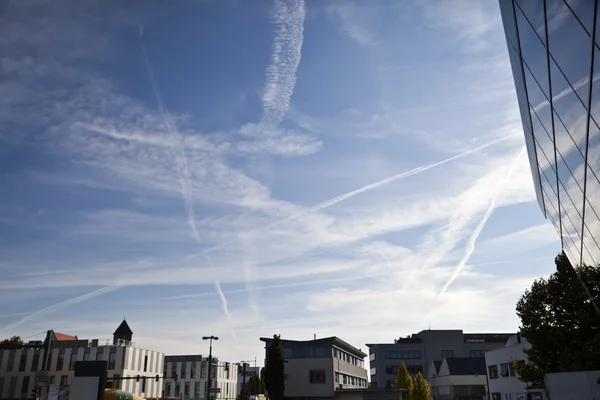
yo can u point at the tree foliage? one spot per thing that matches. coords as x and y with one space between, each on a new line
561 321
421 390
14 342
253 386
274 375
404 381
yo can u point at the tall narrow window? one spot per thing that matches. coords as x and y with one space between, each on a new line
73 360
145 363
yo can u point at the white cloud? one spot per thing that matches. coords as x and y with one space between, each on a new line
331 251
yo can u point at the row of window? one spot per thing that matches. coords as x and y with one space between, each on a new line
403 354
57 362
412 369
321 352
506 370
345 379
194 372
307 352
196 389
347 357
416 354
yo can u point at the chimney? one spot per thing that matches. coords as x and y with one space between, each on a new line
315 336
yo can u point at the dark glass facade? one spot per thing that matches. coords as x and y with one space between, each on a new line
554 52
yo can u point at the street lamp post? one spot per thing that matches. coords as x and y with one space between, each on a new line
209 380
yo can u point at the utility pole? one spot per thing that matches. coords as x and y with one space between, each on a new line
209 378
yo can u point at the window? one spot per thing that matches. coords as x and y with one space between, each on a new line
12 387
177 389
504 370
64 379
52 379
86 355
112 358
167 389
11 361
146 364
316 376
174 370
405 354
197 391
186 389
493 371
34 362
496 396
99 355
391 369
23 361
25 387
476 353
193 371
117 381
73 359
184 370
143 389
60 363
447 354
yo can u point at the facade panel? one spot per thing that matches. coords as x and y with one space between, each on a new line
556 67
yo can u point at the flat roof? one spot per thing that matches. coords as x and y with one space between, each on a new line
328 341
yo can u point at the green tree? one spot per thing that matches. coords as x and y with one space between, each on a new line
14 342
404 381
274 376
421 390
253 386
561 321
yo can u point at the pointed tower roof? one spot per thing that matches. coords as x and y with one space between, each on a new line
123 329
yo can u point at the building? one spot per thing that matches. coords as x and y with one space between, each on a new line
254 370
18 367
418 350
319 367
458 378
185 377
555 59
502 381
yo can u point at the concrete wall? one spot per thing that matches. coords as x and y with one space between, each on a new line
505 385
298 382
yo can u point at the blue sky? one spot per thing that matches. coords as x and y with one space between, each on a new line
248 168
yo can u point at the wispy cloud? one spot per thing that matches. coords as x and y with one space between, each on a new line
470 246
288 17
62 305
414 171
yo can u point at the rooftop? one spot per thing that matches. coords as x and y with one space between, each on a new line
325 342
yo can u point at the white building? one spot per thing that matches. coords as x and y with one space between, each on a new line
19 366
502 381
186 377
457 378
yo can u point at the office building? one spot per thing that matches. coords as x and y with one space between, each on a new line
18 367
319 367
185 377
419 350
555 59
503 382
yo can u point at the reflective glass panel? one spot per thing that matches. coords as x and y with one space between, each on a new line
534 53
569 46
